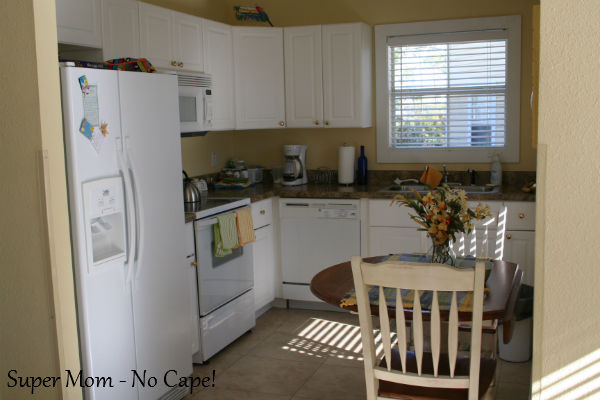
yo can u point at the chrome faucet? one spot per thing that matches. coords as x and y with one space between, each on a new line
444 174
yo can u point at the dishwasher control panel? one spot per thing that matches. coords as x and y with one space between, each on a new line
337 212
341 209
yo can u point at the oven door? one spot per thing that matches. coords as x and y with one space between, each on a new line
191 109
220 279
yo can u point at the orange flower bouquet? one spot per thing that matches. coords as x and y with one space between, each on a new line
443 213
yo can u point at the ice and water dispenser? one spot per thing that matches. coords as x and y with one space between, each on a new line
104 213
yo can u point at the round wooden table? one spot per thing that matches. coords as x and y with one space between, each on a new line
332 284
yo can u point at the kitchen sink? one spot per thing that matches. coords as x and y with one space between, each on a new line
424 189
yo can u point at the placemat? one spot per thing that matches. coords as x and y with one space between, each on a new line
464 299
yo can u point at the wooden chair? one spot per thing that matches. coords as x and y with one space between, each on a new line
406 374
490 327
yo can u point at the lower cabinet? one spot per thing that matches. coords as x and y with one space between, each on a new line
265 265
509 234
519 247
389 240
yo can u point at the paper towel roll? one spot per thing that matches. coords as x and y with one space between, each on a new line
346 165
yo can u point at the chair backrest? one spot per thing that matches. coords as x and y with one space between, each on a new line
418 277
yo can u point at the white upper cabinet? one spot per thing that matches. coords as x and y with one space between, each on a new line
120 29
187 41
303 76
347 79
218 61
78 22
328 76
258 64
169 39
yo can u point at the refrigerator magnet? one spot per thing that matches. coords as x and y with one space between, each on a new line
91 110
83 83
104 129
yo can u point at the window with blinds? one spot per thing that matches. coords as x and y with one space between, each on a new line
447 94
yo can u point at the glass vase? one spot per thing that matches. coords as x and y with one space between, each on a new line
441 253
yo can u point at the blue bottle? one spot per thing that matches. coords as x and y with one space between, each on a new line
362 172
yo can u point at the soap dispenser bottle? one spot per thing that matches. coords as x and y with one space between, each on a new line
496 171
362 171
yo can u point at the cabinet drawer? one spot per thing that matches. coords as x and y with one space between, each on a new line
262 213
520 216
381 213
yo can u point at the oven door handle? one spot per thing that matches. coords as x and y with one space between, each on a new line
206 222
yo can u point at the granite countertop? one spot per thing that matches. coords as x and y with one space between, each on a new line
333 191
265 190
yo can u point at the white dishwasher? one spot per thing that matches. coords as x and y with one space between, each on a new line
315 234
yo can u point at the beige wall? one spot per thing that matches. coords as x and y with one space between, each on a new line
28 341
567 267
264 147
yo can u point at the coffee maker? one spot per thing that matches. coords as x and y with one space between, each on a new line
294 170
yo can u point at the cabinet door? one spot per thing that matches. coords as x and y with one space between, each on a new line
120 29
187 41
156 32
388 240
303 76
264 267
347 75
258 63
78 22
218 61
480 243
519 247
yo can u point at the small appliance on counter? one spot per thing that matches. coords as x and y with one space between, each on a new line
294 170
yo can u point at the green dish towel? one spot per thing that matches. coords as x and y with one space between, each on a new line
225 232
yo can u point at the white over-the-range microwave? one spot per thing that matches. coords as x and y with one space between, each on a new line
195 103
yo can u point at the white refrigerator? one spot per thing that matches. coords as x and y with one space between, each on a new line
123 151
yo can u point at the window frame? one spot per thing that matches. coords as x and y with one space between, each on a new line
510 151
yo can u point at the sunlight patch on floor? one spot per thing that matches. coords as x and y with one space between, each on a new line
321 338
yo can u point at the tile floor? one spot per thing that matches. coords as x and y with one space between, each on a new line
305 355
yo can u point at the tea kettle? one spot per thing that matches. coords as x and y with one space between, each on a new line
191 194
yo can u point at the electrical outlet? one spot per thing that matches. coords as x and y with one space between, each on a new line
213 159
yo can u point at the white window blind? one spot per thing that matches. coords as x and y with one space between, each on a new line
448 90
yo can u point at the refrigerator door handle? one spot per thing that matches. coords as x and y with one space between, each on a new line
130 215
135 206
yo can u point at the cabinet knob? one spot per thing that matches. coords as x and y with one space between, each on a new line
180 64
326 122
174 63
194 264
317 122
521 215
508 236
262 212
281 123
